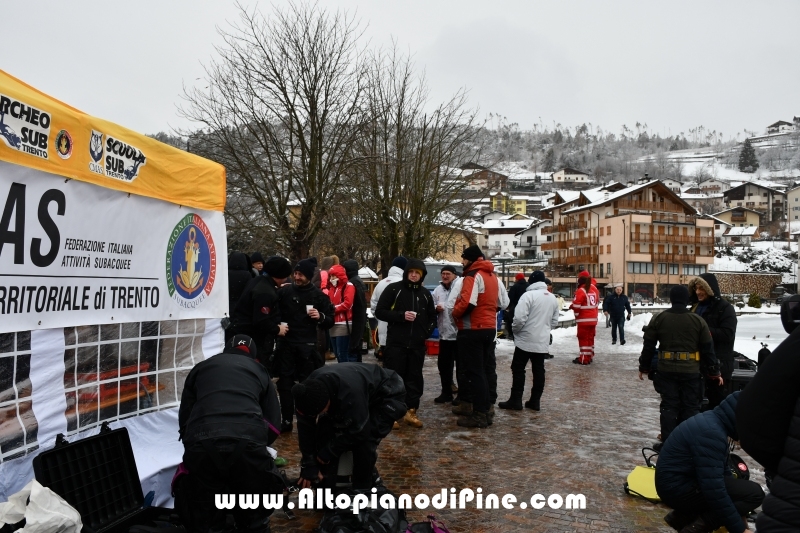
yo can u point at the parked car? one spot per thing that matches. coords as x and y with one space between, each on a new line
434 275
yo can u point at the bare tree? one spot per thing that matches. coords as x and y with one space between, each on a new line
408 157
282 110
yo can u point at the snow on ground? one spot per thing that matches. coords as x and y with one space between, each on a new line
691 169
761 256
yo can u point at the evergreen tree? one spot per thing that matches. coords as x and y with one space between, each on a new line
748 162
549 160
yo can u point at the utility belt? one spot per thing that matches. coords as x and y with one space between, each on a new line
678 356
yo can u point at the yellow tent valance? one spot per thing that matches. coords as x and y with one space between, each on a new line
40 132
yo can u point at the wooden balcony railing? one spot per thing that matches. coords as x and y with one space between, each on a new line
554 245
672 239
565 226
582 241
648 206
673 258
588 259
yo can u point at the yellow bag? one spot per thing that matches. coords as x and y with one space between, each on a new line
642 481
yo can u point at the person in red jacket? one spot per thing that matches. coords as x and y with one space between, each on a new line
342 295
585 304
475 314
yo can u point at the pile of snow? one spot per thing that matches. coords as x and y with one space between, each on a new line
762 256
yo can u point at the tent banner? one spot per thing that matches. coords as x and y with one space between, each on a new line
73 253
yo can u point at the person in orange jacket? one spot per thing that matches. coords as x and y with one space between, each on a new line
585 305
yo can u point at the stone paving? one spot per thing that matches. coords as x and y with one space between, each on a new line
586 439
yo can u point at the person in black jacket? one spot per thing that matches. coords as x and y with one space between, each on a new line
256 313
614 307
514 294
359 309
239 275
345 407
706 300
228 415
407 307
768 420
693 479
304 308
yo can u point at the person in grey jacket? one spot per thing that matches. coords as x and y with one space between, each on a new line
536 313
447 334
394 275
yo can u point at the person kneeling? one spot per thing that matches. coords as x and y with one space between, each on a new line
346 407
693 479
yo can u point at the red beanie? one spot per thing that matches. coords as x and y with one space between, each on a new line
584 274
519 276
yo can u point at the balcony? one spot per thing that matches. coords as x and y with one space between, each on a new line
554 245
674 218
582 241
647 206
531 244
673 258
587 259
672 239
565 226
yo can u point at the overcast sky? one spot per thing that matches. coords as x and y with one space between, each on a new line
674 65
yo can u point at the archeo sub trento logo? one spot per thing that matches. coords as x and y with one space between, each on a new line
191 262
23 127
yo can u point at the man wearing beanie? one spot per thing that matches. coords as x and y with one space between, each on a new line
514 294
304 308
536 314
407 308
685 350
395 274
257 261
475 312
341 408
229 414
585 305
447 334
256 313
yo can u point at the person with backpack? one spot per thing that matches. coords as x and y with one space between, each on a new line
345 408
229 414
407 308
584 305
614 307
692 475
342 296
359 309
719 314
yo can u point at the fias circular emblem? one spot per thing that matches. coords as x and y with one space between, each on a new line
191 262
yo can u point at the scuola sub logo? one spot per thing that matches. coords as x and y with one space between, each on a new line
191 262
96 153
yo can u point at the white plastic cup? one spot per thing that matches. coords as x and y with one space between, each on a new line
309 308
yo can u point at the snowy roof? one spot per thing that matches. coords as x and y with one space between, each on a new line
718 220
367 273
741 232
569 170
701 196
507 224
534 224
737 208
613 196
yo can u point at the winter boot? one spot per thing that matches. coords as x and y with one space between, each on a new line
463 409
475 420
675 521
443 398
454 388
286 426
698 526
514 403
490 415
532 404
396 425
411 419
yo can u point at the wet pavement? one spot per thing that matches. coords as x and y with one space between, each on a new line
586 439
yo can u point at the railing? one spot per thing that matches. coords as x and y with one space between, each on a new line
671 239
531 244
582 241
648 206
565 226
587 259
674 218
673 258
738 219
554 245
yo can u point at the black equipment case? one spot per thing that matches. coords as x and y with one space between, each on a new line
98 477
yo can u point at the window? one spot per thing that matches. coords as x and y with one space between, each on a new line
505 243
673 269
601 249
694 270
716 226
608 248
662 268
640 268
497 243
601 270
608 268
608 230
602 229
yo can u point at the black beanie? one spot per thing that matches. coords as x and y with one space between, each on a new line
310 396
256 257
449 268
473 253
244 345
400 262
306 267
278 267
537 276
679 295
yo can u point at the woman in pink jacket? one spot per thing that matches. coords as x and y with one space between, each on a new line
342 295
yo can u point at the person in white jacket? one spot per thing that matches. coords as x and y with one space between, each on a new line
395 274
447 334
535 314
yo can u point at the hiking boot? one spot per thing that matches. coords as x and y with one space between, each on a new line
698 526
549 356
443 398
463 409
622 343
330 356
396 425
613 342
578 361
514 403
456 402
675 522
490 415
286 426
532 404
475 420
411 419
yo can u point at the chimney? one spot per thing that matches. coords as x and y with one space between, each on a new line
646 176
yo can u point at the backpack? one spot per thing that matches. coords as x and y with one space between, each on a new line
429 526
367 520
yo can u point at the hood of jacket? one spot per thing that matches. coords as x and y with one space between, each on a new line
415 264
481 265
238 261
395 273
538 286
339 273
351 267
709 284
726 411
